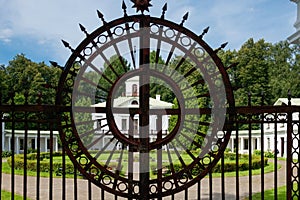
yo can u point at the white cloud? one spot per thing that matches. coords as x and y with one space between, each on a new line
47 22
5 35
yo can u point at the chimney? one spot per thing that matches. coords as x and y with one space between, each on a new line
158 97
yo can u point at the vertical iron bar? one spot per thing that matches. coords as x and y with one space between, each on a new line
237 162
262 158
1 143
250 158
199 189
210 186
38 161
186 193
275 160
130 158
25 156
64 174
13 155
102 195
144 106
89 190
51 162
289 152
159 157
223 176
298 164
75 184
250 148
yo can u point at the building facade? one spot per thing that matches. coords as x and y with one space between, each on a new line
129 99
270 130
16 140
295 38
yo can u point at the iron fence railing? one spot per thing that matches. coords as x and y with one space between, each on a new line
266 129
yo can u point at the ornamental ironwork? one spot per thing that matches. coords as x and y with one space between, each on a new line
161 147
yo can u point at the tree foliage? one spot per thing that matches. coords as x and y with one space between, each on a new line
263 68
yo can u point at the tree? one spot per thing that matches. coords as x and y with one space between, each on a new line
113 70
285 70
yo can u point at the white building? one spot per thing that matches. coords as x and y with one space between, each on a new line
269 130
32 140
295 38
129 99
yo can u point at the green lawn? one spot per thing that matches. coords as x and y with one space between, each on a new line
7 196
269 194
269 168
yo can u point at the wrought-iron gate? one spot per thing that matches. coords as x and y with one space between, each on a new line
123 141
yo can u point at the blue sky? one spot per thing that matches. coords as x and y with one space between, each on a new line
36 27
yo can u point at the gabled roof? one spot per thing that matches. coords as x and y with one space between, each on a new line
285 101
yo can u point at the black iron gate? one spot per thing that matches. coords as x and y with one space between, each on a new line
124 142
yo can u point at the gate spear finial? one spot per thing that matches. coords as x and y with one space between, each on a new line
124 7
185 17
165 8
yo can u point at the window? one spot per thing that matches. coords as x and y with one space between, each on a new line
21 144
124 124
33 143
134 90
134 103
246 143
48 144
135 126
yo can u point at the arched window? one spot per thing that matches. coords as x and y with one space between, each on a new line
134 103
134 90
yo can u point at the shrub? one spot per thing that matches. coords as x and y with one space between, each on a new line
6 154
243 164
43 167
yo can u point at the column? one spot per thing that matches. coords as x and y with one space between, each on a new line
35 144
258 143
46 145
17 146
9 143
232 144
56 144
242 145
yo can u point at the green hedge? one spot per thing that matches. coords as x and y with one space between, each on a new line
229 166
44 165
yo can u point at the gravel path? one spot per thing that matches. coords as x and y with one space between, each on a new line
83 187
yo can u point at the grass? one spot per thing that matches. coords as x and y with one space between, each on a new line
7 170
269 194
103 157
7 196
269 168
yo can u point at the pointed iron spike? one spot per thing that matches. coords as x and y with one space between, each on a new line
83 29
224 45
101 16
66 44
165 8
221 47
124 7
185 17
204 32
